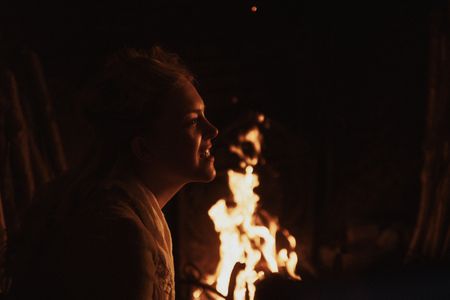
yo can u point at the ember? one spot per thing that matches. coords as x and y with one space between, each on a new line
247 233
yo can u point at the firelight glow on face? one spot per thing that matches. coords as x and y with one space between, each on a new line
183 145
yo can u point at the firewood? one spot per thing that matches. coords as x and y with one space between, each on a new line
238 267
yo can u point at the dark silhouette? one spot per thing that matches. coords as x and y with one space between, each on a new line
98 232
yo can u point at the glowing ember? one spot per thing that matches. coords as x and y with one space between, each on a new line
243 236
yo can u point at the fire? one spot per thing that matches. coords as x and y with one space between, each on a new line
197 293
243 236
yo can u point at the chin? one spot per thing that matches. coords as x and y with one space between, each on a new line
212 176
206 175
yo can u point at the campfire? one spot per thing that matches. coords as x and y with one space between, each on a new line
247 233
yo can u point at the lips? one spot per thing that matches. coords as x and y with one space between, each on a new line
205 152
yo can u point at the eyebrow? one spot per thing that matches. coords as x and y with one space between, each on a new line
198 110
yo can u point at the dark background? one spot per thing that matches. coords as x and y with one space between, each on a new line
348 81
346 72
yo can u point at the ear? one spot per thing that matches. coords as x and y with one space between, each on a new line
140 149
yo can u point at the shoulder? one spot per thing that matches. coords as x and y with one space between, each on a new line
111 213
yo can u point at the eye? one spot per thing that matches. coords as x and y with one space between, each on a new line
193 121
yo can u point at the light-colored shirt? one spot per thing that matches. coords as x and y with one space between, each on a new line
112 244
143 208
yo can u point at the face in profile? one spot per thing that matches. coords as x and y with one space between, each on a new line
183 139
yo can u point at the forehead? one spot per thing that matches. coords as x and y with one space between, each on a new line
185 98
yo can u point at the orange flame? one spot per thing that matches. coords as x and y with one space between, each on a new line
242 239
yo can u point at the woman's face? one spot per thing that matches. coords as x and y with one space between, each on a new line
183 137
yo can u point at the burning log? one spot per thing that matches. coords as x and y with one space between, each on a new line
192 277
238 267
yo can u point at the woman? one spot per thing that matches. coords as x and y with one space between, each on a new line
99 232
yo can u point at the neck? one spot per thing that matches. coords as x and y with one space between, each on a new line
162 193
163 188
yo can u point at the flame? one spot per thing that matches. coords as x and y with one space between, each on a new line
197 293
242 236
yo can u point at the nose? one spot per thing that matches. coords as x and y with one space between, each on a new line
210 130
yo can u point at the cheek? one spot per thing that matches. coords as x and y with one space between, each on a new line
179 149
191 144
186 147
